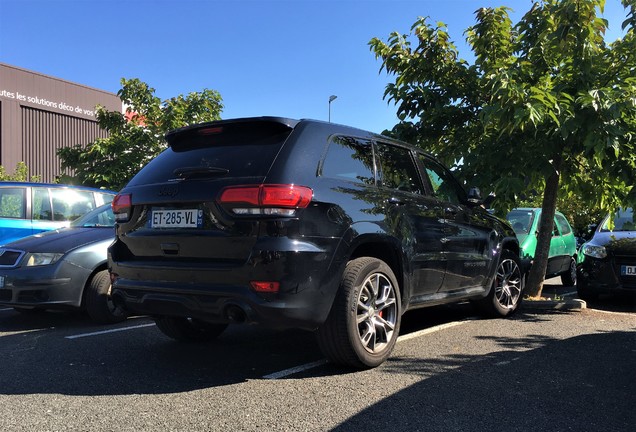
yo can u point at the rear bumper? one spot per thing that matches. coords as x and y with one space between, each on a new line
221 292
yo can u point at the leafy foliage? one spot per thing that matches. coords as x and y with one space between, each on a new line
547 105
21 174
135 137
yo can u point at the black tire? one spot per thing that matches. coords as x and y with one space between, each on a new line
584 292
568 279
188 329
364 322
506 291
98 302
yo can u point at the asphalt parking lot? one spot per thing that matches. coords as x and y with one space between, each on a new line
451 370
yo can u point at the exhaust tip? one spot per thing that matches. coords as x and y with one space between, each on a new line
235 314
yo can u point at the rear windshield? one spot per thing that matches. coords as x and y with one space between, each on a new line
236 151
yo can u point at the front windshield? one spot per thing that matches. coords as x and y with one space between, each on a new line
623 220
100 217
521 220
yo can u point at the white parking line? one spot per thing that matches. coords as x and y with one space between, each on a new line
297 369
6 309
431 330
108 331
294 370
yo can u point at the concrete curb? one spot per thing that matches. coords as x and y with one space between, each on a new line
559 305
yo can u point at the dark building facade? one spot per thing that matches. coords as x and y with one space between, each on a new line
40 114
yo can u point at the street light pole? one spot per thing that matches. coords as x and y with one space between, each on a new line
331 99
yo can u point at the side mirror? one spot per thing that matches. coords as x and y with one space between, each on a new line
474 195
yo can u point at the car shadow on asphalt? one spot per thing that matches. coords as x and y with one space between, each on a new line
144 361
503 390
13 321
105 360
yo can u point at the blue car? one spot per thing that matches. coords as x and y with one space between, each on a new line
31 208
62 269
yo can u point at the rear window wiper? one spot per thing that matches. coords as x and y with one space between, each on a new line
188 172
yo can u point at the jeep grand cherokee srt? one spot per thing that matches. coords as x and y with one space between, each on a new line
303 224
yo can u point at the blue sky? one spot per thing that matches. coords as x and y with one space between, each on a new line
267 57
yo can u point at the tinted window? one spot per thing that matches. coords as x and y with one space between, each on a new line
443 184
12 203
350 159
398 170
238 151
563 224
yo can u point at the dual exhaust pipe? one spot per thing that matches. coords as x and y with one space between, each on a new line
233 312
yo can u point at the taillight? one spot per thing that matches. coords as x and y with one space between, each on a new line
265 287
268 199
122 206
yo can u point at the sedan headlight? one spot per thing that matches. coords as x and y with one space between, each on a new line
42 258
595 251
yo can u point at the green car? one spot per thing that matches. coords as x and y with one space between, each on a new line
562 257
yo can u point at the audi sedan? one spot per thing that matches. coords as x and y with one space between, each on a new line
607 262
62 269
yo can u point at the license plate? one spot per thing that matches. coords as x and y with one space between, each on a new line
628 270
184 218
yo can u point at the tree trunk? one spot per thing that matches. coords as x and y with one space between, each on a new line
536 277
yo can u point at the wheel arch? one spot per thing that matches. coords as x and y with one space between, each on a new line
387 249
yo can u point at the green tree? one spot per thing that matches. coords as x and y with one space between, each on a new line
21 174
137 136
547 105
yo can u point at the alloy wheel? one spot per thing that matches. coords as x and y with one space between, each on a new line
376 312
508 284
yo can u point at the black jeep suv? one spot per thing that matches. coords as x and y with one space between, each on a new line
303 224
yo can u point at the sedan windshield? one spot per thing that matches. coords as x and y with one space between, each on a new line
100 217
623 220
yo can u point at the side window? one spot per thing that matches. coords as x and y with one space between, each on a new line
349 159
12 203
563 224
41 204
443 184
69 204
398 170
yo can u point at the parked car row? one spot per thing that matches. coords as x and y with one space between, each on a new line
292 224
43 265
62 269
